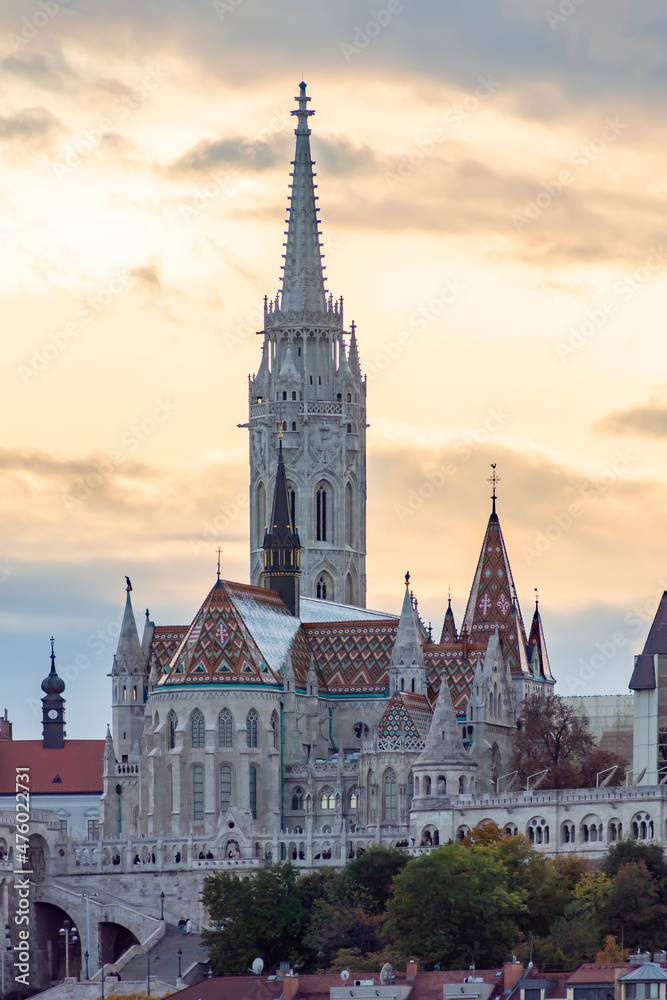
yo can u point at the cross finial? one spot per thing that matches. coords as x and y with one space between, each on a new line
537 599
53 656
494 480
219 551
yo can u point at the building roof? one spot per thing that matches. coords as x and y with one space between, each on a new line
643 676
76 767
353 657
312 609
649 972
407 714
596 972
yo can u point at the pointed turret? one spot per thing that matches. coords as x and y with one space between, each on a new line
303 273
406 666
129 685
128 658
281 544
53 708
288 371
448 634
492 600
537 646
355 367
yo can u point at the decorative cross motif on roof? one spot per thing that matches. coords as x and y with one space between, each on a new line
485 604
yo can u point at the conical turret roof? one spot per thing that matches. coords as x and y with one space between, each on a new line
448 634
409 637
443 743
128 658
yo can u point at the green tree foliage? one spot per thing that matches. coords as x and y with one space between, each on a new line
626 851
555 738
634 908
370 877
452 905
262 916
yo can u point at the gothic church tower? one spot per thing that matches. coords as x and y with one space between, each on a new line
309 378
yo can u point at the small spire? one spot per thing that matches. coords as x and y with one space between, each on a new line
219 550
53 657
353 353
494 480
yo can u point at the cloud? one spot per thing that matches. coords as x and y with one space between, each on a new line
30 131
208 154
648 422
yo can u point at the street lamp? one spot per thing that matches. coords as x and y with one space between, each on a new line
180 956
148 970
88 896
71 936
162 905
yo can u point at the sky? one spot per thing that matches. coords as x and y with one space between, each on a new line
492 192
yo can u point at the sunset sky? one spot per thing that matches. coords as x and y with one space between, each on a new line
492 181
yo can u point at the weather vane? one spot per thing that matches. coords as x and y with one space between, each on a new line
494 480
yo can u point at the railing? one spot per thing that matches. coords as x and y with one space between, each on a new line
391 744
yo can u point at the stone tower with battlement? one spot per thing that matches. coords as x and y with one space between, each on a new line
309 378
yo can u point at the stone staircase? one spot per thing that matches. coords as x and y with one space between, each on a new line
165 968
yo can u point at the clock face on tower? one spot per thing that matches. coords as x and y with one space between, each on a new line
53 714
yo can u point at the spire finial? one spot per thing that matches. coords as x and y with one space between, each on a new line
494 480
53 657
128 585
537 598
219 551
302 113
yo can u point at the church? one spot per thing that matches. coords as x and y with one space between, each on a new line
283 719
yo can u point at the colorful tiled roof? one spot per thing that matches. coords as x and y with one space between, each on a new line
353 656
493 601
76 767
166 641
406 713
459 671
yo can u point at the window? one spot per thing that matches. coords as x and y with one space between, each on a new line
275 727
291 499
411 790
225 728
198 792
294 425
170 788
252 791
349 516
172 722
349 397
251 728
225 788
260 514
354 798
63 828
293 394
349 428
124 693
389 802
134 693
327 798
321 511
298 800
197 729
93 829
640 991
322 588
284 395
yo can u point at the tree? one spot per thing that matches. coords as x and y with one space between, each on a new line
626 851
546 894
612 951
369 879
634 908
552 737
262 916
453 905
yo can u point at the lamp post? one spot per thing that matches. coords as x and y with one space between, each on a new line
162 905
180 956
148 969
71 936
101 961
88 896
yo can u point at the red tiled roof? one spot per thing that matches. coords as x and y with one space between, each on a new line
353 656
597 972
78 764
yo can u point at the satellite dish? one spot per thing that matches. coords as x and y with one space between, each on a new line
345 975
257 966
386 973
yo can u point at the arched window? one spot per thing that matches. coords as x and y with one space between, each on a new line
260 514
354 798
291 499
225 788
225 721
275 728
349 516
411 789
134 693
327 798
349 589
252 790
389 801
251 728
322 588
124 693
324 513
172 722
197 729
427 785
197 792
170 788
298 800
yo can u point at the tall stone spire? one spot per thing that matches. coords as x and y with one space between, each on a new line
129 686
303 273
308 380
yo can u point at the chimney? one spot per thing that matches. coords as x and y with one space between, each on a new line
411 970
290 986
512 972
